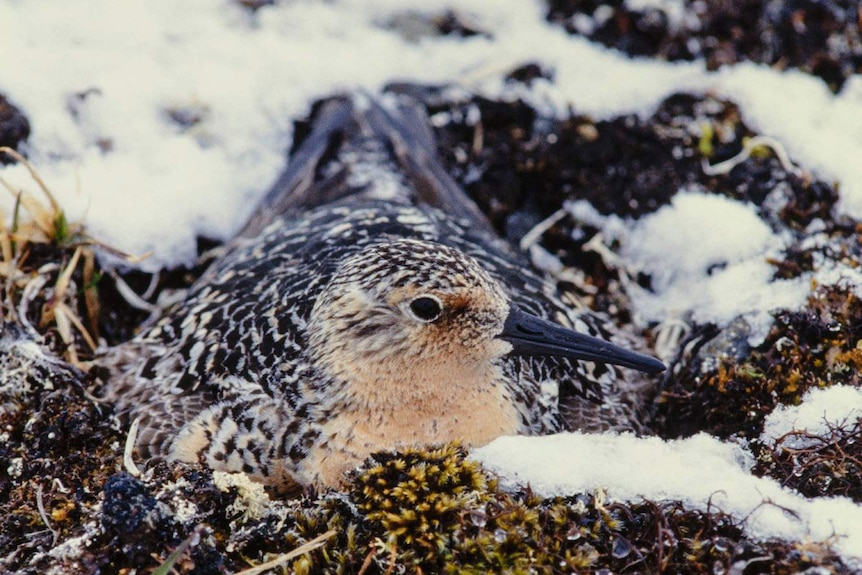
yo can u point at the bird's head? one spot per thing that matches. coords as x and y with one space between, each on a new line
420 311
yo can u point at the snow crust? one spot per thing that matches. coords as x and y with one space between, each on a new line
820 410
708 256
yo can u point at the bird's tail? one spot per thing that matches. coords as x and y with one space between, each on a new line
350 138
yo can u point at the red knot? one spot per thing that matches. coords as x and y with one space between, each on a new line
366 306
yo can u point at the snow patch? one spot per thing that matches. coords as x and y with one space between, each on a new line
820 409
708 259
701 471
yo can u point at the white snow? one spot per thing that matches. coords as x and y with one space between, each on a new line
707 255
724 232
700 471
820 410
820 130
99 80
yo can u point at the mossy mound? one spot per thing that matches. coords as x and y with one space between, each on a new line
730 392
435 511
418 511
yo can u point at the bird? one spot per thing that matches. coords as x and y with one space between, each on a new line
367 305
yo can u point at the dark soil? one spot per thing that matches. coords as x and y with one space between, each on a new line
14 127
820 37
521 168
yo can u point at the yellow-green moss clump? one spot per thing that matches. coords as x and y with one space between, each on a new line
434 511
419 511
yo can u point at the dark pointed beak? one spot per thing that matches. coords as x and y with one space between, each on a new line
531 335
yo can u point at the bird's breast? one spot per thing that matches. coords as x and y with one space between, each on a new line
473 413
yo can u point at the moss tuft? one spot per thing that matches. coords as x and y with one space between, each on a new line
417 495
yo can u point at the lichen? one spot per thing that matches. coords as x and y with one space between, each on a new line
252 499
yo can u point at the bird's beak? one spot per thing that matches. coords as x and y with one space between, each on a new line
531 335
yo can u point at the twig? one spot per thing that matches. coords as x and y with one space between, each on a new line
539 229
41 507
132 298
131 438
609 257
367 562
393 554
748 147
315 543
28 294
168 564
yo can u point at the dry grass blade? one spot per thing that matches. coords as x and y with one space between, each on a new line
67 308
748 148
78 324
166 567
301 550
65 318
91 294
8 270
131 438
42 218
6 248
40 505
64 327
35 175
66 275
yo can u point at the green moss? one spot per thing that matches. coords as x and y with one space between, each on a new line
705 142
417 496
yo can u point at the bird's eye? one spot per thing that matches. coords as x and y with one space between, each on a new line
426 308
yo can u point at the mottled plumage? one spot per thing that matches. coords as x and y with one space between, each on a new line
351 316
